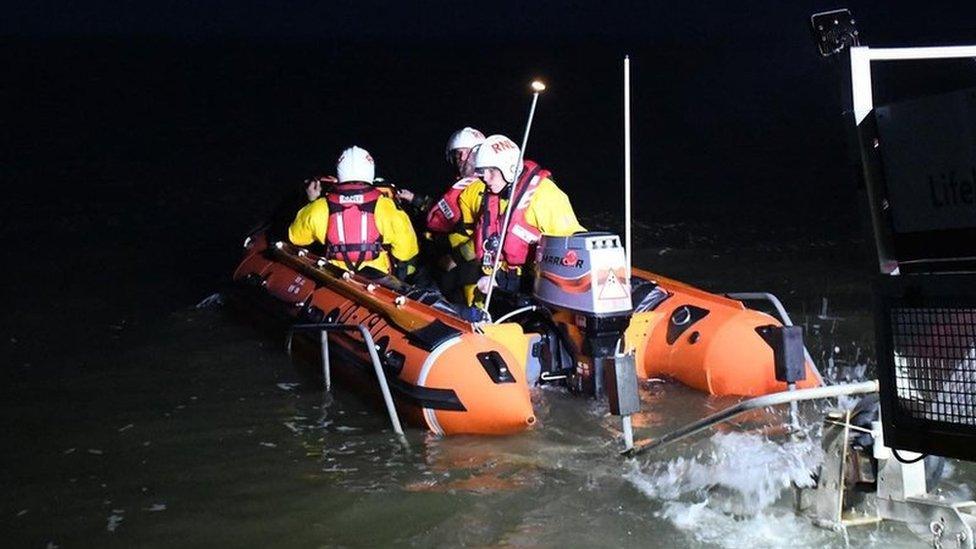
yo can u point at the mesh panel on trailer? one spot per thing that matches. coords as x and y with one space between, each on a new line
935 363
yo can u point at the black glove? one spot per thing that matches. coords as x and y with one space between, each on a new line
404 269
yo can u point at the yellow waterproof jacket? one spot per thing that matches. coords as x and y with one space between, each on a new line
549 208
549 211
312 224
445 216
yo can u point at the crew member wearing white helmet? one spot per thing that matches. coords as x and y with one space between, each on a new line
358 226
445 220
459 155
540 208
445 216
446 244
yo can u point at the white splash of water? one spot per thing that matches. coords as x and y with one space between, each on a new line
725 494
746 473
712 527
114 520
211 301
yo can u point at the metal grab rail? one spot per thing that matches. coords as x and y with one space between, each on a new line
324 327
784 317
764 296
774 399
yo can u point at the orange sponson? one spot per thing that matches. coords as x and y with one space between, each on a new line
443 374
707 341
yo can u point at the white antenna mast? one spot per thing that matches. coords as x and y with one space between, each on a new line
537 88
627 212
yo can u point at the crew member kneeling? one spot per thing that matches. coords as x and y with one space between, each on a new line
540 208
358 226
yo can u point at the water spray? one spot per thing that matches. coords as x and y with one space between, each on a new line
537 88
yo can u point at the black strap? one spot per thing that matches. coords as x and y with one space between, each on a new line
344 255
361 247
486 218
343 250
463 229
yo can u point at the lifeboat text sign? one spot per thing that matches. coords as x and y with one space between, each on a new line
928 150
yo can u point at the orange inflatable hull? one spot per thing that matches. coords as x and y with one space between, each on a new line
444 376
706 341
444 373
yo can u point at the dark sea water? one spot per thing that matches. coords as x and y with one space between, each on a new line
190 427
133 418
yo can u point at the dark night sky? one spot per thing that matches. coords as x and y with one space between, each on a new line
731 95
661 23
179 123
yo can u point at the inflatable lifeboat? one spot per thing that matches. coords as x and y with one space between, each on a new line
707 341
451 376
445 374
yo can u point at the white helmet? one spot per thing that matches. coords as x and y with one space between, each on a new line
465 138
355 164
499 152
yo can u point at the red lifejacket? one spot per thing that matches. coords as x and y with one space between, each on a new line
444 216
521 236
353 236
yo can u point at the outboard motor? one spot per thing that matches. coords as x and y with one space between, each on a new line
582 279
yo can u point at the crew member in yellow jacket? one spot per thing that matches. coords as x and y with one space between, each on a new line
540 208
358 226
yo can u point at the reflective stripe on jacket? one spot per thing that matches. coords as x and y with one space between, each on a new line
542 208
396 234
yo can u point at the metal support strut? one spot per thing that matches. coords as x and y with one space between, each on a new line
326 364
774 399
324 328
901 489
